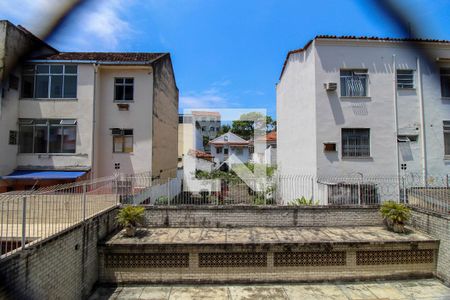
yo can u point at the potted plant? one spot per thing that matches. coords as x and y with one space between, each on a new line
130 217
395 215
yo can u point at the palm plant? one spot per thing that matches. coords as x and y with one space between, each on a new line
130 217
395 215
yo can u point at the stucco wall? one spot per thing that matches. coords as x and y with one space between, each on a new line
138 118
79 109
296 121
63 267
165 119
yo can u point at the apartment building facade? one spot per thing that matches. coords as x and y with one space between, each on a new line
348 105
76 115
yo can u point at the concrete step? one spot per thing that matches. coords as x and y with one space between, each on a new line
262 254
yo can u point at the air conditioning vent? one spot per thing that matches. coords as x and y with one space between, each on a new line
330 86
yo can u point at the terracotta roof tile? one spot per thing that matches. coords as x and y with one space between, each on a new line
104 56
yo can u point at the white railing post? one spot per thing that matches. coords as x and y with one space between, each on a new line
24 221
168 191
84 201
359 192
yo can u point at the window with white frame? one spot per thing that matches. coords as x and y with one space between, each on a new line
354 83
122 140
445 82
47 136
238 151
355 142
405 79
49 81
123 89
447 138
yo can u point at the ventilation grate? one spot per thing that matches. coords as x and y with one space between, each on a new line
294 259
147 260
394 257
238 259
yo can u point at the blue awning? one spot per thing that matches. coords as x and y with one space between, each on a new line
43 175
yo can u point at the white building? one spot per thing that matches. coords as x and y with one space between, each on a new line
265 149
228 146
93 113
365 106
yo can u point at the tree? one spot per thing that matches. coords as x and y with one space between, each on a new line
248 123
224 129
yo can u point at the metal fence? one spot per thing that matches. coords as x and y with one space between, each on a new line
28 217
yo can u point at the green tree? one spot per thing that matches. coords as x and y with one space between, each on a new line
224 129
249 122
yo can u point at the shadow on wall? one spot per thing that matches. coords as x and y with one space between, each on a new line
336 108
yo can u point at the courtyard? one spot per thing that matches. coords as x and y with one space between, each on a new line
429 289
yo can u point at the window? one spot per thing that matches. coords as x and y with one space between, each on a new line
445 82
238 151
355 142
49 81
47 136
225 151
12 137
212 129
218 150
122 140
447 138
407 138
123 89
405 79
354 83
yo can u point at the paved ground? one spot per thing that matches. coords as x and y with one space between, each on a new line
261 235
428 289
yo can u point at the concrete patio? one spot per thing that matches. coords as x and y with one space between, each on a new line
426 289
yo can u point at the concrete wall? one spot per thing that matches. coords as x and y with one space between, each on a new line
248 216
296 121
138 118
438 226
164 119
14 43
62 267
80 109
297 94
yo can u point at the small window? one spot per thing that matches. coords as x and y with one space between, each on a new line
218 150
445 82
123 89
355 142
447 138
225 151
354 83
12 137
238 151
405 79
327 147
407 138
122 140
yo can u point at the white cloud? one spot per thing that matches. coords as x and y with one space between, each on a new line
209 98
97 26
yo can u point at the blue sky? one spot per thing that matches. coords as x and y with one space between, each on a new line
226 53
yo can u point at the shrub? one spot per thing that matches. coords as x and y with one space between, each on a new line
303 201
397 213
130 216
162 200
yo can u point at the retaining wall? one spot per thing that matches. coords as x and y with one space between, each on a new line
438 226
64 266
254 216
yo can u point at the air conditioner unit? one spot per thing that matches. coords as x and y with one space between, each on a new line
330 86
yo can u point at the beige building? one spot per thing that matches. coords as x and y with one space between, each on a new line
77 114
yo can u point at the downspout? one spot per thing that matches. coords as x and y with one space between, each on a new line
95 65
422 122
394 66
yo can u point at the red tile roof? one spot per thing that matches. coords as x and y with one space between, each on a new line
360 38
200 154
105 56
205 113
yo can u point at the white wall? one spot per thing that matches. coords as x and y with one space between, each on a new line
244 156
138 118
296 121
80 109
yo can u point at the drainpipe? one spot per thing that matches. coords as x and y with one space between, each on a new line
422 122
95 65
394 66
